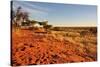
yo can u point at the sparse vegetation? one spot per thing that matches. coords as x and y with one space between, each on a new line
57 47
33 45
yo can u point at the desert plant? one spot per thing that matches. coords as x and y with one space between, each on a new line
56 29
82 33
25 16
47 26
93 30
33 22
43 23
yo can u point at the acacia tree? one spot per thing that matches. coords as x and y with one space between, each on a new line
19 14
43 23
25 16
20 17
33 22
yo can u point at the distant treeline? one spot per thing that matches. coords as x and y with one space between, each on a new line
92 29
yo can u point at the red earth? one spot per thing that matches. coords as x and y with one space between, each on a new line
29 48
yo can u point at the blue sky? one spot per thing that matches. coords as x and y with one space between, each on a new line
60 14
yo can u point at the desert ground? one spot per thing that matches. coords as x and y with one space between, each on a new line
60 45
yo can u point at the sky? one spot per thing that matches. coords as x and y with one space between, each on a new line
58 14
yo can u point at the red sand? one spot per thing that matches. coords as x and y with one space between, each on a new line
29 48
